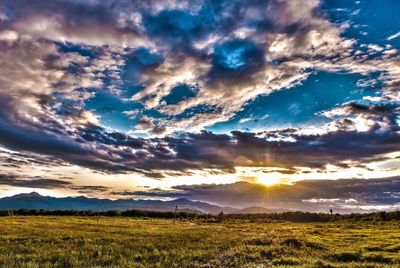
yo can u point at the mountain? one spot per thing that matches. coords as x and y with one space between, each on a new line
36 201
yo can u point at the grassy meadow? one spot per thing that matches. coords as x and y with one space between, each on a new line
67 241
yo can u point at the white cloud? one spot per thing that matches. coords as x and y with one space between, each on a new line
394 36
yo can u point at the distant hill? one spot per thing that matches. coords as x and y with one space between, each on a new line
36 201
259 210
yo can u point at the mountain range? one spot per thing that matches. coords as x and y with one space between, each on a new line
36 201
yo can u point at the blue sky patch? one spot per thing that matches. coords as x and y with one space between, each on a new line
300 105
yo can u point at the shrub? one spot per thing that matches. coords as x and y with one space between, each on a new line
314 245
377 258
292 242
320 264
346 256
220 217
6 212
393 248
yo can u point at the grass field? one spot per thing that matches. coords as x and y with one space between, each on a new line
46 241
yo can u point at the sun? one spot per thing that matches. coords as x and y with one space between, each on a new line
270 179
266 176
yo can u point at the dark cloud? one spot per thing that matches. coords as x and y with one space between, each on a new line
33 139
16 180
90 189
43 183
74 19
236 59
93 147
251 149
176 24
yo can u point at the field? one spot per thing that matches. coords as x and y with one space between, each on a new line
50 241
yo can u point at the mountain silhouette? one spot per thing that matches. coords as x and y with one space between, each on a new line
34 200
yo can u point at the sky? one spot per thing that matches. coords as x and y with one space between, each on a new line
292 104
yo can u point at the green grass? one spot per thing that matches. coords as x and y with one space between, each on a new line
46 241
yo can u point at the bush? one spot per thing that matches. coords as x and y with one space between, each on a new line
377 258
6 212
346 256
292 242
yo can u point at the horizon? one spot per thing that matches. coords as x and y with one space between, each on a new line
267 206
191 205
276 104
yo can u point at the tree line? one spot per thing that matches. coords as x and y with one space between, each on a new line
296 216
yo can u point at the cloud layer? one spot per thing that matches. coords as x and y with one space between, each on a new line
122 87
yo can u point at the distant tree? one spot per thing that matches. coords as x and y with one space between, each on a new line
383 215
175 212
220 216
397 215
7 212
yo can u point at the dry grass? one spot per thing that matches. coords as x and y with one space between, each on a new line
127 242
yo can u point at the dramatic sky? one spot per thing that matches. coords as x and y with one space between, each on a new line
290 103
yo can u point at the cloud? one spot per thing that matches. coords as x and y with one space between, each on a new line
37 182
315 195
364 117
58 55
164 77
92 23
90 189
43 183
248 149
91 146
235 58
394 36
148 124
